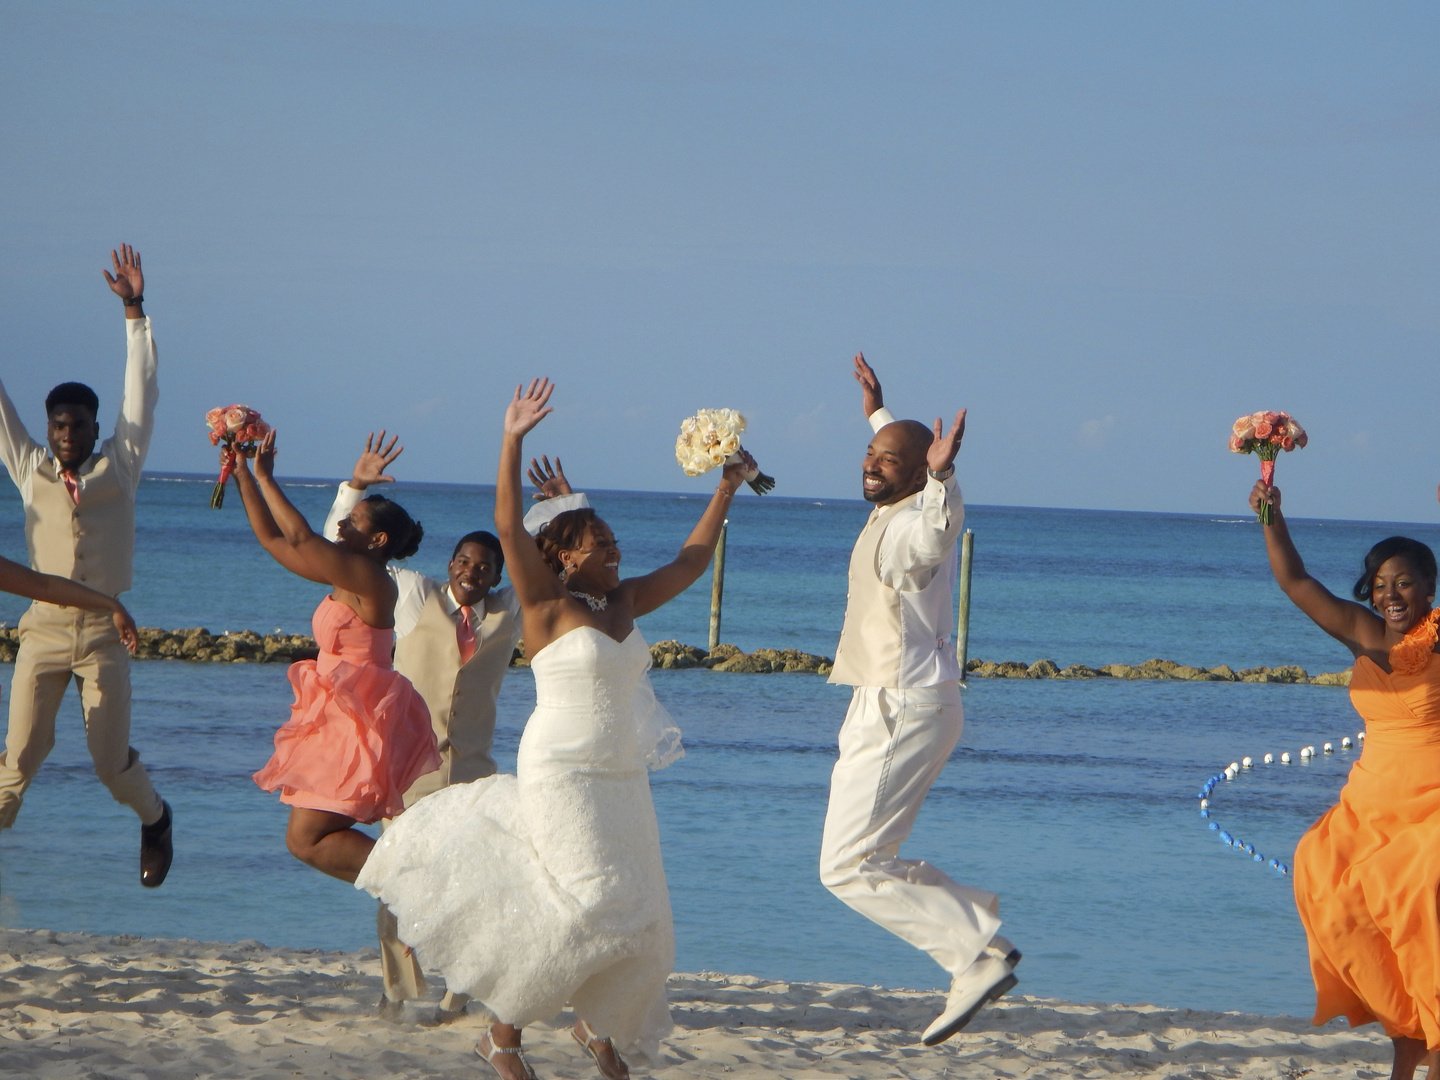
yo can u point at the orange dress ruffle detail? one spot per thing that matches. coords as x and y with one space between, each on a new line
1367 874
359 733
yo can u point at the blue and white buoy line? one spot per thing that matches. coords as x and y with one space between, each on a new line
1245 764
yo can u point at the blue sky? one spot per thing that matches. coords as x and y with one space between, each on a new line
1107 229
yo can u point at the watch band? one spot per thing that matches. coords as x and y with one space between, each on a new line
949 472
135 301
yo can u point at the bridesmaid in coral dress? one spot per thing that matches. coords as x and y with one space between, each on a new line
1367 874
359 734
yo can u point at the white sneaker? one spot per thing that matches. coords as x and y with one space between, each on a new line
978 985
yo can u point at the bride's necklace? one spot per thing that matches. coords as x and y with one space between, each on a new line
597 603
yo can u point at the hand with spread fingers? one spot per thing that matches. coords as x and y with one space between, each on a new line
370 466
128 283
941 454
549 481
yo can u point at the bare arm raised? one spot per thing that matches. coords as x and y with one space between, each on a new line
358 576
660 586
535 583
1357 628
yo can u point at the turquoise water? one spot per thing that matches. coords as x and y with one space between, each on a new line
1075 801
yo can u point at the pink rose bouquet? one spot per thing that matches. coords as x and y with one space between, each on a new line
239 428
1266 434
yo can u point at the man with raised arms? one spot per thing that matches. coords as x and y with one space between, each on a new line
453 641
905 715
80 524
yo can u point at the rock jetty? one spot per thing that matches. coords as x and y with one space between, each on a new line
672 655
244 647
248 647
1153 669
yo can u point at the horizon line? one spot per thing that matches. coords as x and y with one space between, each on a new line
173 475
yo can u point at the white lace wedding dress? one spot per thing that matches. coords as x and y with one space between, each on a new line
535 890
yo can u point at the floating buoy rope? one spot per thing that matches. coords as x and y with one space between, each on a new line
1234 769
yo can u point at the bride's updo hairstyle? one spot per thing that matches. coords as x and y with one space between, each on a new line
564 532
1414 552
405 532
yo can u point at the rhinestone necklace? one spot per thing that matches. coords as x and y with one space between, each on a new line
597 603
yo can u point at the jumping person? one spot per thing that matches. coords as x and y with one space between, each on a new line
358 734
905 715
80 524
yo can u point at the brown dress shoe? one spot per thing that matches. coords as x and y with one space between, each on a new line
156 851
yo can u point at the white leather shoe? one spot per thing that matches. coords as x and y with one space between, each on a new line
978 985
1005 950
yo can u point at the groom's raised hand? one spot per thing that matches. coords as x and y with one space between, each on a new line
871 398
943 449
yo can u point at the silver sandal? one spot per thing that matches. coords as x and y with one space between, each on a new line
588 1041
490 1054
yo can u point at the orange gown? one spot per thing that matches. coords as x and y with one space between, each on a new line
1367 873
359 734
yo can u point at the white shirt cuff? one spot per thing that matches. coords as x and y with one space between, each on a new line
880 417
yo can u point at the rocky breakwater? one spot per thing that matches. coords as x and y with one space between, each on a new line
244 647
1153 669
673 655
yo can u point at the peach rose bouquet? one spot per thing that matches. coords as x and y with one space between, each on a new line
711 438
1266 434
239 428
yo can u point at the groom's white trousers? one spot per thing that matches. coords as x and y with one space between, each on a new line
893 745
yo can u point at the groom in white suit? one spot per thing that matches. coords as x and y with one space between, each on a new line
905 715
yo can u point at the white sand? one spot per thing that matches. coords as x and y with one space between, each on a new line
75 1005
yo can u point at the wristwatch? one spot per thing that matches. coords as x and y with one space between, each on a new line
949 472
135 301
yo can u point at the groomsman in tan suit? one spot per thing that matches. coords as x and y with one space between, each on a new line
905 715
80 524
453 641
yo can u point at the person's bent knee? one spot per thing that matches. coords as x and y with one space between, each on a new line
303 848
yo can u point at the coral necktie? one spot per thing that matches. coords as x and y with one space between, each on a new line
72 485
465 634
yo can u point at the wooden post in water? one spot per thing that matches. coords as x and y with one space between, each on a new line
717 586
962 618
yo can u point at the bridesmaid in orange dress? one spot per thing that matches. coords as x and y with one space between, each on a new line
359 734
1367 874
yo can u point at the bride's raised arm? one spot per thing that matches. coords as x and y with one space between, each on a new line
661 586
534 581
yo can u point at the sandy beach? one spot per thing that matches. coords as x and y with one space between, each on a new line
77 1005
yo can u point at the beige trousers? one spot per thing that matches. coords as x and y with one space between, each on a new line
893 746
56 644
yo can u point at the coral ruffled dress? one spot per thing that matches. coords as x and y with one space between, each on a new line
1367 874
359 734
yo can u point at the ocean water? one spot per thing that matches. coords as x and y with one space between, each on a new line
1074 800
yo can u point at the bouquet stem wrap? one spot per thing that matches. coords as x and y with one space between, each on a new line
1265 434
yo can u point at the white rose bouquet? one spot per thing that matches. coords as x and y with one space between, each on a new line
711 438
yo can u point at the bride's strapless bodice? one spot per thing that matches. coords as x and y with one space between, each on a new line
594 709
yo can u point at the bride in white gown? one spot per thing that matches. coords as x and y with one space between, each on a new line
547 887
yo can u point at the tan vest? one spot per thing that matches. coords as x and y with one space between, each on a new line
869 652
93 543
461 699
